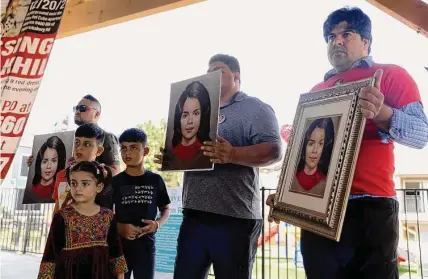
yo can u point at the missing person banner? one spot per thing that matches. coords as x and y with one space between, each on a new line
28 31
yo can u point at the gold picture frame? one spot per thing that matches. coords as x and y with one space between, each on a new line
319 163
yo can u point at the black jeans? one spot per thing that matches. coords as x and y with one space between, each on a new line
140 257
367 248
230 244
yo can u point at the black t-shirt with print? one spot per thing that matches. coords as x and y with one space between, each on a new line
138 197
105 198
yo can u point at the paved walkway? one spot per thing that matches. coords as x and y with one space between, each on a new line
26 266
14 265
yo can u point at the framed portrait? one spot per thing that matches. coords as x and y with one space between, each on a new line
192 119
319 163
50 155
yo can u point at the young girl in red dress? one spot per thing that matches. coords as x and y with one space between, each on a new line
83 240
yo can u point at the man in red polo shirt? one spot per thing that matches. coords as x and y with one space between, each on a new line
394 113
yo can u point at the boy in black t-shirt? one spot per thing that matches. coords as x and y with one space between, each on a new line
138 194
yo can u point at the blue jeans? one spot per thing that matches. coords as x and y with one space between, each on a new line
229 244
140 257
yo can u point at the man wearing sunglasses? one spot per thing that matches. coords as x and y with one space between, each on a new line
88 110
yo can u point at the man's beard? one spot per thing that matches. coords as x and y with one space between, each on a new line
78 122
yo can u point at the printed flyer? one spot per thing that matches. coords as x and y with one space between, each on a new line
28 28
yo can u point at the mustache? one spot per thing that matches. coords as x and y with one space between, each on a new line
338 49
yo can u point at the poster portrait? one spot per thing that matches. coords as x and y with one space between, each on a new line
318 167
192 119
50 154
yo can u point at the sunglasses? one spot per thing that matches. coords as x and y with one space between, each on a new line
81 108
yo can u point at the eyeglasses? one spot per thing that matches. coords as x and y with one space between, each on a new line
81 108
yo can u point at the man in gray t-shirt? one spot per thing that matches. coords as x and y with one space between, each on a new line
221 208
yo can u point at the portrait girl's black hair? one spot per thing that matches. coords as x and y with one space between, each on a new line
199 91
327 125
102 174
53 142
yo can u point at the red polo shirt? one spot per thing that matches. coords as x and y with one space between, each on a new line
375 165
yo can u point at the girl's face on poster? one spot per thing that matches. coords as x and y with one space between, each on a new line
84 187
190 119
314 148
49 165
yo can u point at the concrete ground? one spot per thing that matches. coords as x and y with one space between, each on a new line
26 266
14 265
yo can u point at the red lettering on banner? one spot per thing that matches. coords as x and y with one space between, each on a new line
25 56
5 162
12 124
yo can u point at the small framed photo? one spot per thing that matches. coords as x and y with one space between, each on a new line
192 119
318 167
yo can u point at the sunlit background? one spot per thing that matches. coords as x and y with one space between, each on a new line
129 67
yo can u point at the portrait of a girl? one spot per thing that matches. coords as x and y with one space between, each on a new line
314 159
192 119
51 159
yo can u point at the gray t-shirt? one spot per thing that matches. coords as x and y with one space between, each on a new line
229 189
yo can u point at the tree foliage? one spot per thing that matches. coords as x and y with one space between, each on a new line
156 139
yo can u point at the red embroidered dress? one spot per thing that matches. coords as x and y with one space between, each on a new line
82 246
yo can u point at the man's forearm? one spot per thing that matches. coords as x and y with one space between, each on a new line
257 155
408 126
383 119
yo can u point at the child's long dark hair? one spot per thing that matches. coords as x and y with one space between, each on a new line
102 174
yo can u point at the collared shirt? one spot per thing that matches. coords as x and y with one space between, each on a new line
230 189
408 125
